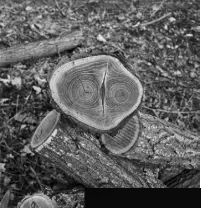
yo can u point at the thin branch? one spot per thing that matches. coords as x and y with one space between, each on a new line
168 111
152 22
157 20
57 5
37 179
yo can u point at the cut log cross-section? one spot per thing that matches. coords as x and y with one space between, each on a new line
124 139
96 91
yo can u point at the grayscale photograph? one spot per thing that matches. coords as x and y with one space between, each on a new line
97 94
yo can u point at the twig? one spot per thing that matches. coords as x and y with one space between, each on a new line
17 103
18 113
167 111
57 5
186 103
38 180
38 32
152 22
157 20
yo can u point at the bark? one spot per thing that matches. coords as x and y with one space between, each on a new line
82 156
185 179
40 49
164 144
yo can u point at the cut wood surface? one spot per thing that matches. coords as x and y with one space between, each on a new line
37 200
81 156
125 138
40 49
97 91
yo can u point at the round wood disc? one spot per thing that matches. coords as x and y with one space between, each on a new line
36 201
124 139
97 91
45 128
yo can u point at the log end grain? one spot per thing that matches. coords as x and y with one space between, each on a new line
124 139
45 128
36 200
97 91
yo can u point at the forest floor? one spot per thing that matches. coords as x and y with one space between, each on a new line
161 39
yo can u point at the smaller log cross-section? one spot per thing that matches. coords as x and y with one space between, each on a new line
124 139
45 129
97 91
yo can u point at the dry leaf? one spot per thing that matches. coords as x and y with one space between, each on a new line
3 100
6 81
155 8
26 150
172 19
2 167
20 117
40 81
37 89
17 81
28 8
101 38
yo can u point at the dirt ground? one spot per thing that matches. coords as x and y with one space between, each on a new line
161 39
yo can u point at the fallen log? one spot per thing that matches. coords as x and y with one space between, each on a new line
108 150
81 157
40 49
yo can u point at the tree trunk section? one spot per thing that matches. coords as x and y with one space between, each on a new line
164 144
84 158
40 49
80 156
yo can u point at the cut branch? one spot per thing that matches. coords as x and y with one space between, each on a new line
40 49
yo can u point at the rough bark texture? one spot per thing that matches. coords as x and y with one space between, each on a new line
83 158
40 48
185 179
162 143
